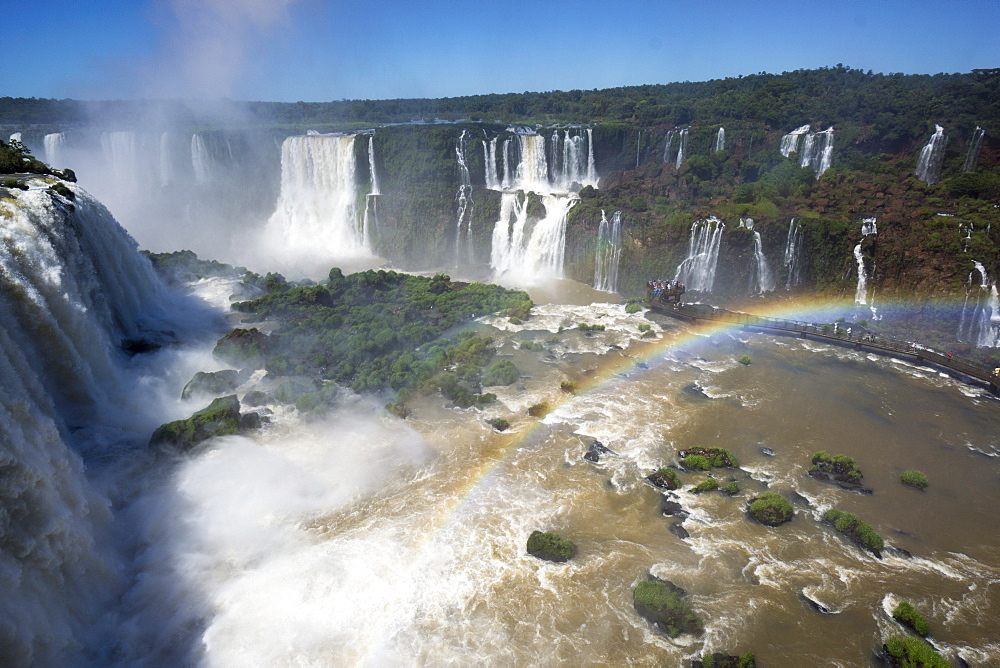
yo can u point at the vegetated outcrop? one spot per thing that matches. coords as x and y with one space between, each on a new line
860 533
906 614
771 509
664 478
703 459
914 478
838 469
212 383
550 546
725 660
663 603
220 418
910 652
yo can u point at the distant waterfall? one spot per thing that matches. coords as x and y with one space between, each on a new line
608 252
463 214
527 253
697 270
972 159
55 148
668 147
720 140
869 226
682 144
790 142
931 157
793 251
167 175
861 291
316 214
980 319
370 218
372 174
201 160
490 160
815 149
15 136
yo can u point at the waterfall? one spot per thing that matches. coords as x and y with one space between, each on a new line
682 142
869 226
316 215
980 320
668 147
608 252
816 150
793 249
72 286
697 270
370 217
55 148
972 159
490 160
790 142
463 215
591 165
861 292
527 253
931 157
508 175
201 160
15 136
825 159
764 275
720 140
372 175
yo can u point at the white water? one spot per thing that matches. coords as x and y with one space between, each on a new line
316 221
697 270
790 142
869 226
201 161
490 160
720 140
55 149
608 253
932 156
765 277
861 291
15 136
793 251
975 146
668 147
526 253
682 144
979 323
370 217
816 149
463 213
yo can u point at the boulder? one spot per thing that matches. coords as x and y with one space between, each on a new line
212 383
550 546
595 451
220 418
243 348
662 603
677 528
770 509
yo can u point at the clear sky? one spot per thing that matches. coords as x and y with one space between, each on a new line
317 50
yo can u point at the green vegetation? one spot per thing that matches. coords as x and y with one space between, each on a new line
538 410
550 546
501 373
634 307
914 478
837 467
376 331
587 329
745 360
859 532
662 604
665 478
731 488
62 190
706 485
211 383
910 652
568 386
771 508
705 458
499 424
220 418
905 614
184 265
645 327
724 660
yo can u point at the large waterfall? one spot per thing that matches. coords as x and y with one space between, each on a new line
55 149
720 140
668 146
931 157
697 270
793 253
72 287
370 218
975 145
463 213
861 290
201 161
525 250
790 142
608 252
980 320
316 218
763 276
815 149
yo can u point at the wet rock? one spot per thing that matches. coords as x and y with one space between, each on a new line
692 390
900 552
677 528
139 346
767 452
816 605
842 484
799 499
662 603
550 546
256 398
595 451
220 418
212 383
664 479
673 509
250 421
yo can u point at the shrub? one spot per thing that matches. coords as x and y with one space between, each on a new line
731 488
550 546
771 509
914 478
745 360
699 462
568 386
62 190
909 651
859 532
645 327
905 614
501 373
633 308
665 478
662 604
716 457
706 486
499 424
837 466
584 327
538 410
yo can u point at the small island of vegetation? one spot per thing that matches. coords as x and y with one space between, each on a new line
663 604
905 614
859 532
910 652
771 509
914 478
703 459
839 469
550 546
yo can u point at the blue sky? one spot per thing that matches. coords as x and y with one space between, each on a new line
315 50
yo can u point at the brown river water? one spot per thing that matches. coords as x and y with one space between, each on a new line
421 559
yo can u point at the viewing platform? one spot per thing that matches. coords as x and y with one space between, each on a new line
874 342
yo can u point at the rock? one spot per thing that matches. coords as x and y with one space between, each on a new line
139 346
212 383
249 421
220 418
662 603
767 452
595 451
677 528
673 509
770 509
723 660
289 391
664 479
801 500
550 546
816 605
244 348
900 552
256 398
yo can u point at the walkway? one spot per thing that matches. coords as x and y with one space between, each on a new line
876 343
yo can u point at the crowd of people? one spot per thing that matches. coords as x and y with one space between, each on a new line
659 286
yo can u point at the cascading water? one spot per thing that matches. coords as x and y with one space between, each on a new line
697 270
815 149
316 217
979 323
370 218
720 140
975 146
463 214
490 160
15 136
608 252
682 144
869 226
55 149
793 251
931 157
790 142
763 274
201 160
861 291
668 147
